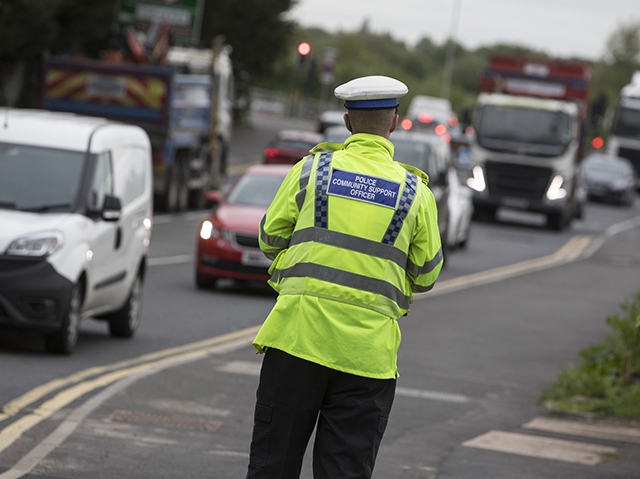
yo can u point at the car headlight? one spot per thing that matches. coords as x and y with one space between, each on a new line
37 245
476 181
208 231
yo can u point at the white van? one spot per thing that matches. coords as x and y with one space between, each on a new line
75 223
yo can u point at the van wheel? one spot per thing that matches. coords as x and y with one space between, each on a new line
64 340
124 322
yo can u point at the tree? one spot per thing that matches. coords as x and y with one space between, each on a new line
623 46
254 28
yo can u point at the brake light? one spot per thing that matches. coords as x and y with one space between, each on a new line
271 152
597 142
406 124
425 118
440 129
453 121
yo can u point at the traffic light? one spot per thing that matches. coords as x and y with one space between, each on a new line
304 48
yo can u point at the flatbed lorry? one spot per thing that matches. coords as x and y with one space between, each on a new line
187 115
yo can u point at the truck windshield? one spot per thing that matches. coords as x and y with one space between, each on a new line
627 123
514 129
39 179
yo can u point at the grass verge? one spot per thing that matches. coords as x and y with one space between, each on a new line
606 381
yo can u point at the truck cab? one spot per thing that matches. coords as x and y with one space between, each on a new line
624 139
527 146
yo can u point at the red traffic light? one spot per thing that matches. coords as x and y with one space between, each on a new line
304 48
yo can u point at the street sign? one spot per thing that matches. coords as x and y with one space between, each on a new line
184 17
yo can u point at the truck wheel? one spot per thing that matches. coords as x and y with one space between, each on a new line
124 322
64 340
177 192
557 221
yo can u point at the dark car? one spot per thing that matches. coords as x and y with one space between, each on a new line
289 146
227 243
608 178
432 154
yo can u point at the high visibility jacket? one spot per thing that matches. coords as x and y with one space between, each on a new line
352 234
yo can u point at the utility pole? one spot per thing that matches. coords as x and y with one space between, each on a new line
445 89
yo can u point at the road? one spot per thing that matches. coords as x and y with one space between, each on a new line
507 315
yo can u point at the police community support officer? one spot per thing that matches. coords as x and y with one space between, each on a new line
352 234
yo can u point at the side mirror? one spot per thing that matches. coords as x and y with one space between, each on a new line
212 197
112 208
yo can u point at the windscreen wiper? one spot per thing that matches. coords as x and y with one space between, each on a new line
43 208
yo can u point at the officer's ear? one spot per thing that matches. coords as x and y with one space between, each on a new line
347 122
394 123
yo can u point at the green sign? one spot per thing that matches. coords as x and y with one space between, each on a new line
184 17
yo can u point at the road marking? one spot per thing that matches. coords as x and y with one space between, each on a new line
165 260
575 428
434 395
111 374
570 251
542 447
251 368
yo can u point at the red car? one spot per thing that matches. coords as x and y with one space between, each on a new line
227 243
289 146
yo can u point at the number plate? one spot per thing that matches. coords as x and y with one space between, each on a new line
518 203
255 259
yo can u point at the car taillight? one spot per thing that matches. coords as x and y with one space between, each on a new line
271 152
440 129
406 124
425 118
453 121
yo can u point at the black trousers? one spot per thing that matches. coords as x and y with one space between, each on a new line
350 414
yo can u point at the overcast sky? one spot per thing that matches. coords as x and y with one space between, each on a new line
558 27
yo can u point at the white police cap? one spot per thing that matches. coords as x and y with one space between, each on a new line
371 92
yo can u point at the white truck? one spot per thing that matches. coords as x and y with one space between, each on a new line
529 124
624 138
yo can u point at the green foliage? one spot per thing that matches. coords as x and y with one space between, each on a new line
607 380
254 28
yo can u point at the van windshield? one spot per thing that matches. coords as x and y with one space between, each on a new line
39 179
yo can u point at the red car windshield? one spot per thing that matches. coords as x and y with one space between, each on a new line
255 190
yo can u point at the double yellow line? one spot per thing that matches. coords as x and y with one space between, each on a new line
572 250
97 377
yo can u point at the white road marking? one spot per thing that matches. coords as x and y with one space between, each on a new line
434 395
575 428
542 447
165 260
251 368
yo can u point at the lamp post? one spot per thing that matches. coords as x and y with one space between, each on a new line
451 50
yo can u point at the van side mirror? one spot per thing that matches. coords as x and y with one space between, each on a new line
112 208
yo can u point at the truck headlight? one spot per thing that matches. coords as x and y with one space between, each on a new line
37 245
556 191
476 181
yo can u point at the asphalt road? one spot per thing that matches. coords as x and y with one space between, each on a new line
507 315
